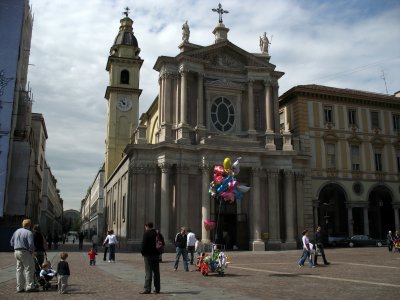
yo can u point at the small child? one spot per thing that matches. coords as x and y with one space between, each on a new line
92 257
46 274
198 247
63 273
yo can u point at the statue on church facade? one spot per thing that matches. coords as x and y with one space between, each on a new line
185 32
264 43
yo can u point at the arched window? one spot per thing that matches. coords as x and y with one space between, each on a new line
124 77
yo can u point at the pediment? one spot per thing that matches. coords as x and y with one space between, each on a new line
354 140
226 54
330 137
377 142
224 83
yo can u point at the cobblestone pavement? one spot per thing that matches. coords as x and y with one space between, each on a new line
354 273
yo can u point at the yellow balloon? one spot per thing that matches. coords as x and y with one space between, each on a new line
227 164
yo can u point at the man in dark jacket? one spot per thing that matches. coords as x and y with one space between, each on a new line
151 259
180 243
320 247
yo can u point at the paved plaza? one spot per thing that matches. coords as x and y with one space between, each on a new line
354 273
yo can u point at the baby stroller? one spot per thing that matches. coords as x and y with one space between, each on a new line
45 276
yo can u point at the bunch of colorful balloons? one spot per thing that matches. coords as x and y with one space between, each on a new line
224 182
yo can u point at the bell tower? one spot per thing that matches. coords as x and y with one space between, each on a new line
122 93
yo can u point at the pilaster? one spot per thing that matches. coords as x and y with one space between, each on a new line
256 244
289 208
274 241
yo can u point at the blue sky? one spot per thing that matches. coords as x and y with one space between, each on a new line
345 44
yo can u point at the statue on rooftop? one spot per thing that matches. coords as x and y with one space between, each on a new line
264 43
185 32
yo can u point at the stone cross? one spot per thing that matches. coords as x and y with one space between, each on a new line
126 12
220 11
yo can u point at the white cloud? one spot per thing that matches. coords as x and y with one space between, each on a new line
336 43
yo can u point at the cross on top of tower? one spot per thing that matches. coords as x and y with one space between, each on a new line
126 12
220 11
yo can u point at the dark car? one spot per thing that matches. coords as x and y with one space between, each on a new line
364 240
337 240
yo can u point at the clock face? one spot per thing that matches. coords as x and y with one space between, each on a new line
124 103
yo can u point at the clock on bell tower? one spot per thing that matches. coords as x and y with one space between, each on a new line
122 93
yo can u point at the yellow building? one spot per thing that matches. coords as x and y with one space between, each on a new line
353 139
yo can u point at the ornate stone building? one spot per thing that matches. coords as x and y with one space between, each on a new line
213 102
354 140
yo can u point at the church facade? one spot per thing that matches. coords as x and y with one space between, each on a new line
213 102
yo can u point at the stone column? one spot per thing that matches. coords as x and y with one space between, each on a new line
205 202
299 202
256 244
396 218
274 241
200 101
251 114
350 220
269 118
366 220
183 96
165 201
287 136
200 128
160 94
183 129
165 114
315 213
183 195
167 97
269 108
289 209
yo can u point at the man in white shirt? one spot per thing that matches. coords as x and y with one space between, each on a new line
191 242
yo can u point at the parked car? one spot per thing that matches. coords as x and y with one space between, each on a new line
337 240
364 240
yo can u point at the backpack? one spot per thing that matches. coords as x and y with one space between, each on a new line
159 244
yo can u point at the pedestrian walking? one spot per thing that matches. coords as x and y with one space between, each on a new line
40 244
80 238
23 243
396 242
92 257
307 250
160 244
49 241
390 241
319 238
55 241
180 244
151 259
95 242
111 239
191 241
105 248
63 273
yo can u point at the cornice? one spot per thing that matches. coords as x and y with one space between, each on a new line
121 90
124 61
317 92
